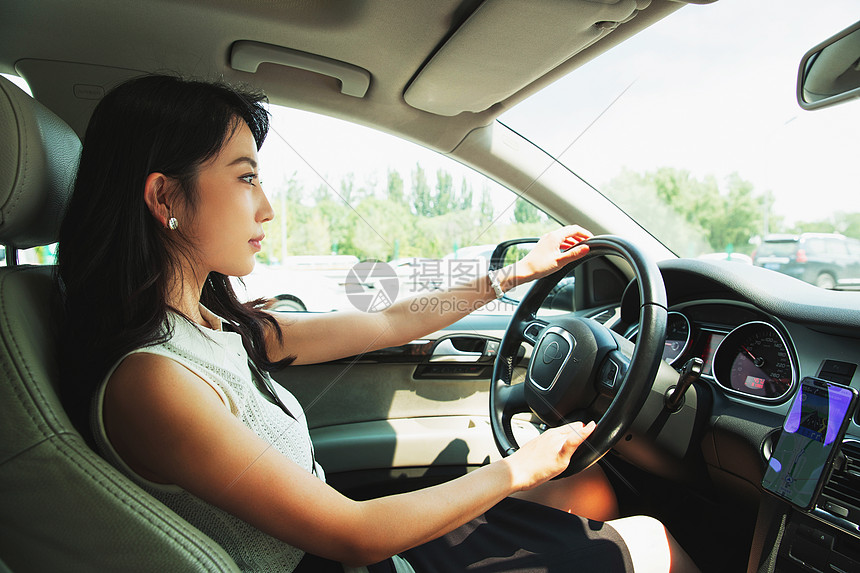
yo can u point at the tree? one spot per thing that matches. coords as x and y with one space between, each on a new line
422 201
322 193
335 214
848 224
681 209
347 188
395 187
736 217
525 212
465 195
379 228
487 212
443 201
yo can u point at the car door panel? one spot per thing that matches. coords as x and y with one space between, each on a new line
403 412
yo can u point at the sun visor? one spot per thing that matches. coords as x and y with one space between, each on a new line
507 44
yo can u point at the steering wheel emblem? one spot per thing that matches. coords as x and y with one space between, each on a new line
552 352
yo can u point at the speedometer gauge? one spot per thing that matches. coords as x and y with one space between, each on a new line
754 360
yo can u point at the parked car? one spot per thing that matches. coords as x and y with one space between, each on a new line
597 113
827 260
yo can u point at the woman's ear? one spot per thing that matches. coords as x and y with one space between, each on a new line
155 195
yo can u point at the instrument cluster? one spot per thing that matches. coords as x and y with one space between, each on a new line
753 359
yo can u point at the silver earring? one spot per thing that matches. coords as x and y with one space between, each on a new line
172 224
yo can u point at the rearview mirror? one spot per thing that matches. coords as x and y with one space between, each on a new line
830 72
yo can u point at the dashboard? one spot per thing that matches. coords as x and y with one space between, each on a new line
758 334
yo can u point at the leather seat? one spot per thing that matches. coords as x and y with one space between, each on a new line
62 508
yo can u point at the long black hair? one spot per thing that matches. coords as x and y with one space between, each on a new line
115 259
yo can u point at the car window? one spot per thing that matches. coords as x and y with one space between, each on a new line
777 249
344 194
836 247
816 246
43 255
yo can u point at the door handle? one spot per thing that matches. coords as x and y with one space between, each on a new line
465 349
446 352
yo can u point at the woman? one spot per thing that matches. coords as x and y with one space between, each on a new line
166 364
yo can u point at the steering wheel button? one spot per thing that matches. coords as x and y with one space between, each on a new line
609 374
532 331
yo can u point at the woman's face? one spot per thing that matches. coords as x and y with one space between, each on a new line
227 226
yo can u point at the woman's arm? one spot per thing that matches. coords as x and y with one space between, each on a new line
314 338
171 427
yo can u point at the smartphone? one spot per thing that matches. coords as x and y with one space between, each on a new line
811 435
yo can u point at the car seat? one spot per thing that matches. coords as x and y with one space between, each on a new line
62 508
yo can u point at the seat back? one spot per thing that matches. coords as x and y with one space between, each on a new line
62 508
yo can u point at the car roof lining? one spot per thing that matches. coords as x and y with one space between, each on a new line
67 63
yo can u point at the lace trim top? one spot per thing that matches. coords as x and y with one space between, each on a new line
220 360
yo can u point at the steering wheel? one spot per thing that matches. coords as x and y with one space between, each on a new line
579 369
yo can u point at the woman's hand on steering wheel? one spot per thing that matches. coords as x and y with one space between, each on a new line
547 455
553 251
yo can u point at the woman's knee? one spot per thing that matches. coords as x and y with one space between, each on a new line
651 546
588 494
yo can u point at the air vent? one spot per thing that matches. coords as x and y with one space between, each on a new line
841 493
604 316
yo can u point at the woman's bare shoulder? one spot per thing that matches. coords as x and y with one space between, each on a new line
149 379
174 429
152 407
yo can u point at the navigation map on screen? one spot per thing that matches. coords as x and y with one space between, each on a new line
814 423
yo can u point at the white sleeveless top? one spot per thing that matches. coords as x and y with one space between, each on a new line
220 360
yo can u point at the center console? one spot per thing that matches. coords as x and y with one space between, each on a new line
823 539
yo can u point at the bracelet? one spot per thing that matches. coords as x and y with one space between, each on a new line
494 282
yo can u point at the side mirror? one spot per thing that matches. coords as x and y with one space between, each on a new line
509 252
560 298
829 73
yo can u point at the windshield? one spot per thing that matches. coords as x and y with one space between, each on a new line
692 127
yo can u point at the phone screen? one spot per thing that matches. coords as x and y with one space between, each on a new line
814 426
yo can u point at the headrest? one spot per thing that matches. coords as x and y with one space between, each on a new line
39 156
